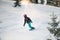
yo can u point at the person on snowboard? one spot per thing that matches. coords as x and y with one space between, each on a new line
28 21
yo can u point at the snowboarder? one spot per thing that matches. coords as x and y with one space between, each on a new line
28 21
17 3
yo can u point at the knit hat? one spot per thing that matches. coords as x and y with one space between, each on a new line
25 15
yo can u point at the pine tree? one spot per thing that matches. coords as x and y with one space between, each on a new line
36 1
42 1
54 26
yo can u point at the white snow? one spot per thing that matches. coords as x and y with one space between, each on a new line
11 21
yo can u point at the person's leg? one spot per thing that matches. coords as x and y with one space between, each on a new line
31 28
29 24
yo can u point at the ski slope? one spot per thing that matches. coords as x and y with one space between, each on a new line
11 21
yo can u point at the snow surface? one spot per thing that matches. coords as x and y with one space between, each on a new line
11 21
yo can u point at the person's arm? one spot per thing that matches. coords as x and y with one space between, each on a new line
24 22
31 21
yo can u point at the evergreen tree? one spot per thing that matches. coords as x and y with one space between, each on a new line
42 1
17 3
54 26
36 1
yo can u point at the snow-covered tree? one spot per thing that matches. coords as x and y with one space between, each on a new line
54 29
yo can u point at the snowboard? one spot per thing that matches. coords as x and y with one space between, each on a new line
32 29
35 29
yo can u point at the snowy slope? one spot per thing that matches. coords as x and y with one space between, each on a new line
11 21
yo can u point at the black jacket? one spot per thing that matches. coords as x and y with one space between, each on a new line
27 19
